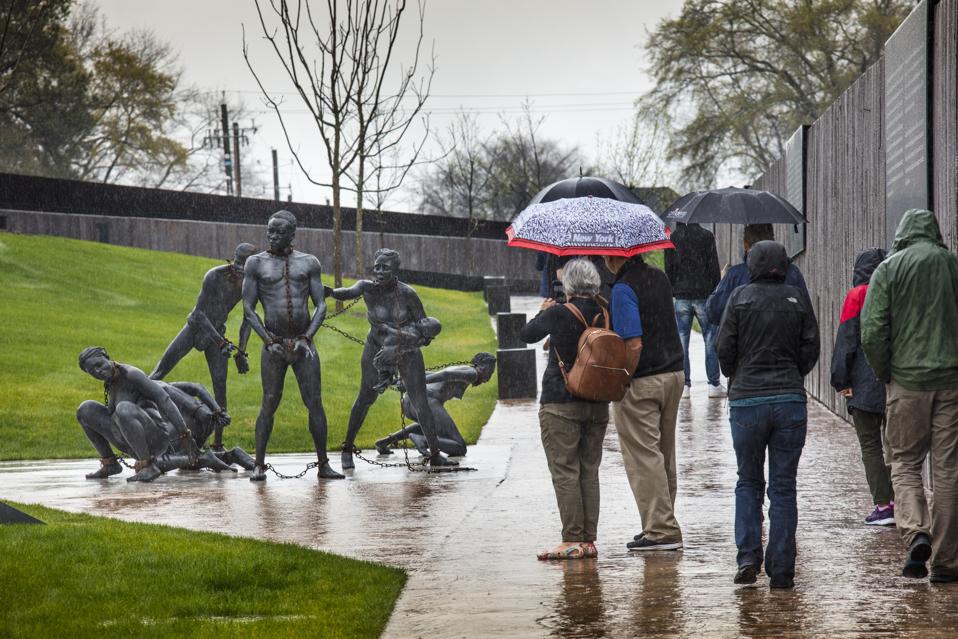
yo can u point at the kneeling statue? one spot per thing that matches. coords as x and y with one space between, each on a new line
441 386
142 418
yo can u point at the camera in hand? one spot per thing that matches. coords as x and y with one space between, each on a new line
558 293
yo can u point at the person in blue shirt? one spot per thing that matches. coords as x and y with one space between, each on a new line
738 275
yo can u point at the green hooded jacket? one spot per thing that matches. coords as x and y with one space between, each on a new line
910 317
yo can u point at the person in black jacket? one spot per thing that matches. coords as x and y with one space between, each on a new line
856 381
767 343
693 270
572 428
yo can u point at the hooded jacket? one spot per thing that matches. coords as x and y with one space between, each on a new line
911 310
768 339
693 267
850 369
738 275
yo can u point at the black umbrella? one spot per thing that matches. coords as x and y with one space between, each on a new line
733 206
583 187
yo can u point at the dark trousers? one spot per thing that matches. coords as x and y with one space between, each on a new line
870 428
779 428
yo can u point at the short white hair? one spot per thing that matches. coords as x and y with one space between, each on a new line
580 277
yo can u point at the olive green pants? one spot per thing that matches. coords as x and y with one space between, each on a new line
572 437
870 428
922 424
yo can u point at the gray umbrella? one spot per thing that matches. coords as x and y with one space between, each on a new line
733 206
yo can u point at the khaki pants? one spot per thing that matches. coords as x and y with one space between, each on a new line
645 421
919 423
572 437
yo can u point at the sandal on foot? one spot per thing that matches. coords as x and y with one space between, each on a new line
589 550
572 551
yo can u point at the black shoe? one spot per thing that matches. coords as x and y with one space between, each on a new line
647 544
918 553
746 574
781 582
639 536
942 578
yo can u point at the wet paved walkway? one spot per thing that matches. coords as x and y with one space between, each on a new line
469 540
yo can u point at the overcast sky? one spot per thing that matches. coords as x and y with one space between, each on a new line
580 63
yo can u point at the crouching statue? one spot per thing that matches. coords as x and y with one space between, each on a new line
441 386
161 425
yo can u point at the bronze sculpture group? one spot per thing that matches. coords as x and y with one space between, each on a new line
164 425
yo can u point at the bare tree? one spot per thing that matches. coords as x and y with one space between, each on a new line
384 114
635 153
338 61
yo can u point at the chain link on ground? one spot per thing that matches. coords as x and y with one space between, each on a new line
309 467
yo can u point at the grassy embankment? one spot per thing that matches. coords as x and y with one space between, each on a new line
62 295
82 576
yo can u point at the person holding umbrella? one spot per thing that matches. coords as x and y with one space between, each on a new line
739 275
592 216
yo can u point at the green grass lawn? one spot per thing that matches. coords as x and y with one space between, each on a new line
62 295
83 576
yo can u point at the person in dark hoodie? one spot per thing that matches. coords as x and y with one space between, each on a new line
767 342
856 381
738 275
693 270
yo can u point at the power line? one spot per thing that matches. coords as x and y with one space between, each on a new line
463 95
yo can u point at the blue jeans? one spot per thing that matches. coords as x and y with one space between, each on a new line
781 429
684 311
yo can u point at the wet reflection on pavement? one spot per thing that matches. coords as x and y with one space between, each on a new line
469 540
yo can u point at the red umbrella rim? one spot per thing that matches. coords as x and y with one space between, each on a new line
587 250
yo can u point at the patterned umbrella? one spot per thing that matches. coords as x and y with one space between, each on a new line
589 226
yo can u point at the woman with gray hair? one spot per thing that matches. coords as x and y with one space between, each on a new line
572 428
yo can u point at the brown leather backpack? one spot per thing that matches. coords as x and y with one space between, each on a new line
599 371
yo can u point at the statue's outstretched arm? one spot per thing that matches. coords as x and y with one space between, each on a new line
199 391
198 320
349 292
466 374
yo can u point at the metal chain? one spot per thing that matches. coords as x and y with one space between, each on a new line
309 467
124 462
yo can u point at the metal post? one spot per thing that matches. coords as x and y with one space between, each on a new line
275 177
236 160
227 156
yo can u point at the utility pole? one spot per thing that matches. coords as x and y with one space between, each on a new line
236 160
275 177
227 157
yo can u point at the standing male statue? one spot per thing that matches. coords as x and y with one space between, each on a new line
283 281
393 308
205 329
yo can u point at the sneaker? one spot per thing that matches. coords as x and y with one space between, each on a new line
918 553
639 536
746 574
717 391
646 544
881 517
687 392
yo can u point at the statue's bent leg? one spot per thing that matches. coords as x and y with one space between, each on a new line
145 435
382 445
177 350
413 372
94 418
237 456
219 369
365 398
308 373
450 439
272 374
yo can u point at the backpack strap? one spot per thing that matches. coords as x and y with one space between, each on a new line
605 312
572 308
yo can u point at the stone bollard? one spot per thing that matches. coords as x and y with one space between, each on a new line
497 298
517 373
491 280
508 326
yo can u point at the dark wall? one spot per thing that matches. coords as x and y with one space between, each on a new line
29 193
845 185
